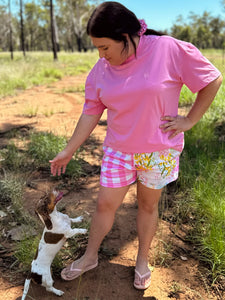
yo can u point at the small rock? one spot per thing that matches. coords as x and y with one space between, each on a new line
2 214
183 258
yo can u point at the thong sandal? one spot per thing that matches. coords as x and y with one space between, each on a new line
142 282
70 273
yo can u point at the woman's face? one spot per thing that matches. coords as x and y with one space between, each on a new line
111 50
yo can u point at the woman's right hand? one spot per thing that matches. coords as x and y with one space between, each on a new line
84 127
59 163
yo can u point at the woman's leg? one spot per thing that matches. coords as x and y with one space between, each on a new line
108 202
147 219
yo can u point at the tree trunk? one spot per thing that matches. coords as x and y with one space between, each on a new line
79 43
56 33
54 46
22 28
10 31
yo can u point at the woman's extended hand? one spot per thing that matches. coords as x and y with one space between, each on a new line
59 163
176 125
84 127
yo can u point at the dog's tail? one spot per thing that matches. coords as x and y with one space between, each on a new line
26 288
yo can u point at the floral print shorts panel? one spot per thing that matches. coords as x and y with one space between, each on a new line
154 170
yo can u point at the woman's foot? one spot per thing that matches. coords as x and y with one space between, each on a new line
142 282
77 268
142 276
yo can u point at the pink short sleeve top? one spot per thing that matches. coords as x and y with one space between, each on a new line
144 88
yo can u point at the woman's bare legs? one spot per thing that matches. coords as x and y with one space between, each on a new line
147 219
108 202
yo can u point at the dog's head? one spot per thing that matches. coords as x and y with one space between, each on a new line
46 206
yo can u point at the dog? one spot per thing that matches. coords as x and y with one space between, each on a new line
57 230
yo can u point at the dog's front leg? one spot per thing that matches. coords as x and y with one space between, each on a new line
76 220
75 231
26 288
47 282
54 290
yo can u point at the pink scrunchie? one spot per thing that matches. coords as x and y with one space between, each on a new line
143 27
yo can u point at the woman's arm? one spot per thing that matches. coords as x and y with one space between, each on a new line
203 100
85 126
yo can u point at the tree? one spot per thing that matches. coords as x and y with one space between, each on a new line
33 22
182 32
32 25
77 17
204 31
10 30
76 14
22 28
53 36
217 26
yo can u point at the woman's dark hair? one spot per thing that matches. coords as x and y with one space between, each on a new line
112 20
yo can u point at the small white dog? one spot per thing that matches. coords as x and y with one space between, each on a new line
57 230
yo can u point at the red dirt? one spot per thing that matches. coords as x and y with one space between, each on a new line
172 277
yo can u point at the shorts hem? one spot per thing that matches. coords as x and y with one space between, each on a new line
117 185
158 187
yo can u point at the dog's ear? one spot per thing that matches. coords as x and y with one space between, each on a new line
48 222
44 217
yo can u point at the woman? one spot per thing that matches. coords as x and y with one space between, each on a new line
138 79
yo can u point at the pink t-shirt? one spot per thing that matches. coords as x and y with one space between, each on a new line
139 92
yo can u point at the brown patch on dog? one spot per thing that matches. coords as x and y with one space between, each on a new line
53 238
36 278
51 202
48 222
45 207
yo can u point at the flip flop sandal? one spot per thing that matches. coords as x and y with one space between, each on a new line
70 273
142 282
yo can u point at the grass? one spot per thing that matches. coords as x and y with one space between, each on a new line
16 165
30 112
25 251
12 159
11 190
79 89
38 149
45 146
202 182
39 68
202 169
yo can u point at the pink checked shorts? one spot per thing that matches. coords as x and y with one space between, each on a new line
154 170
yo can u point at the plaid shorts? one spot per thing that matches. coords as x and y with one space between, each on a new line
155 170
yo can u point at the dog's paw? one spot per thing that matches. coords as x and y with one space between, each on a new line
82 231
77 220
54 290
58 292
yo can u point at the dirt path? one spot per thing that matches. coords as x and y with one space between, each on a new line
176 274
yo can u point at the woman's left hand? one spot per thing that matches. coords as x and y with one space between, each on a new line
176 125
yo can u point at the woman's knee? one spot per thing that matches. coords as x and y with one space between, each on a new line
148 207
110 199
104 205
148 199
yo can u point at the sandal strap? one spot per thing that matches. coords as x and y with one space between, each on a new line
144 275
